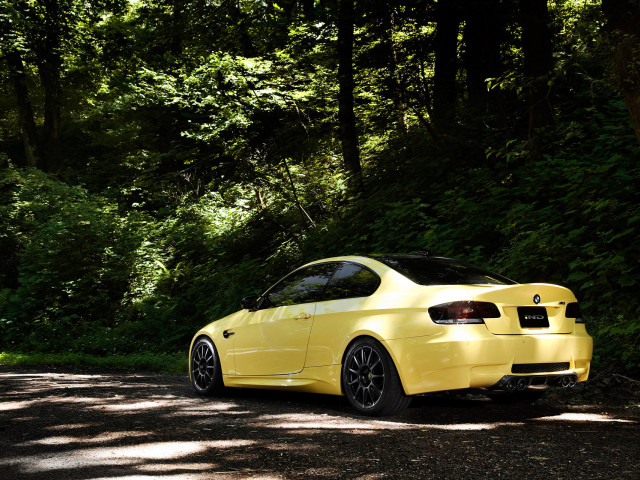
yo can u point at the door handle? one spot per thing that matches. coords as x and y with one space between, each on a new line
302 316
227 333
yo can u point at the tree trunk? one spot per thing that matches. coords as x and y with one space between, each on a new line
50 77
346 116
25 111
623 25
177 27
308 8
483 35
398 92
538 63
49 66
446 68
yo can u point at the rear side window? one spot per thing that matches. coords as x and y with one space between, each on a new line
303 286
442 271
351 280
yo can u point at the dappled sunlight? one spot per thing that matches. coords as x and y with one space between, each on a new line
105 437
6 406
121 455
209 409
213 413
154 477
471 426
323 421
318 423
583 417
167 467
192 476
72 399
53 376
70 426
206 408
163 431
294 446
127 407
42 382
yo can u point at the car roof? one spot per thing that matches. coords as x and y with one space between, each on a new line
373 256
373 261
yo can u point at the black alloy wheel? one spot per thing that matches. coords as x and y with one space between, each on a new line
370 380
206 375
365 377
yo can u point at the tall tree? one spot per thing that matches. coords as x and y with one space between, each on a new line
446 62
35 35
623 25
483 35
28 129
346 115
537 50
389 21
49 60
380 25
308 8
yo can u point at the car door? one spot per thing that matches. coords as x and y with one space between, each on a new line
345 302
273 339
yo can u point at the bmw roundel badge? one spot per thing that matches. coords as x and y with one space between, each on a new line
536 299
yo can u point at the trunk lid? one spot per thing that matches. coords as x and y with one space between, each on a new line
519 312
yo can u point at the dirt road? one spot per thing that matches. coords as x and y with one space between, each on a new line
125 426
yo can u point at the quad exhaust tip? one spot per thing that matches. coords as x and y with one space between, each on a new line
519 383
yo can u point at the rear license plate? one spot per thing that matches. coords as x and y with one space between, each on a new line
533 317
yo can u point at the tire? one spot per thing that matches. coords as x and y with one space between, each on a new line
370 380
204 366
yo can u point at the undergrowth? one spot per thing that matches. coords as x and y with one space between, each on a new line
155 362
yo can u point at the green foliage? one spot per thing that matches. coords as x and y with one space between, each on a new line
203 162
74 262
618 342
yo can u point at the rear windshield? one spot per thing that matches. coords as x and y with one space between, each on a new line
441 271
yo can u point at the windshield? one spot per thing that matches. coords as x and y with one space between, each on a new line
441 271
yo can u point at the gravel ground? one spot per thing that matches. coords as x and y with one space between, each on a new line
73 425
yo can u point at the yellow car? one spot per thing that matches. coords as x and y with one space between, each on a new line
379 329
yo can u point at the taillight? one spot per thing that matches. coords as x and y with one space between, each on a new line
463 312
573 311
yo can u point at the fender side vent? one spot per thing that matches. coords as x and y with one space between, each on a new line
539 367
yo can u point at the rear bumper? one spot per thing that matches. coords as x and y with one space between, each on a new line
468 356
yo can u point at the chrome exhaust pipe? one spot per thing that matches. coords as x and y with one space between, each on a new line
567 382
522 384
512 384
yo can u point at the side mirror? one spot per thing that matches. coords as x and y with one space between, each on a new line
250 302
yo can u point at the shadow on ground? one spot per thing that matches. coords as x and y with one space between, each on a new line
128 426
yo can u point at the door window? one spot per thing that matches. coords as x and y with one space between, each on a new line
351 280
302 286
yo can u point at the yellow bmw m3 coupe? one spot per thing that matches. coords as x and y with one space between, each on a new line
379 329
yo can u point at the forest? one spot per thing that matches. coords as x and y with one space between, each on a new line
161 159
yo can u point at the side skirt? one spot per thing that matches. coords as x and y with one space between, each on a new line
312 379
